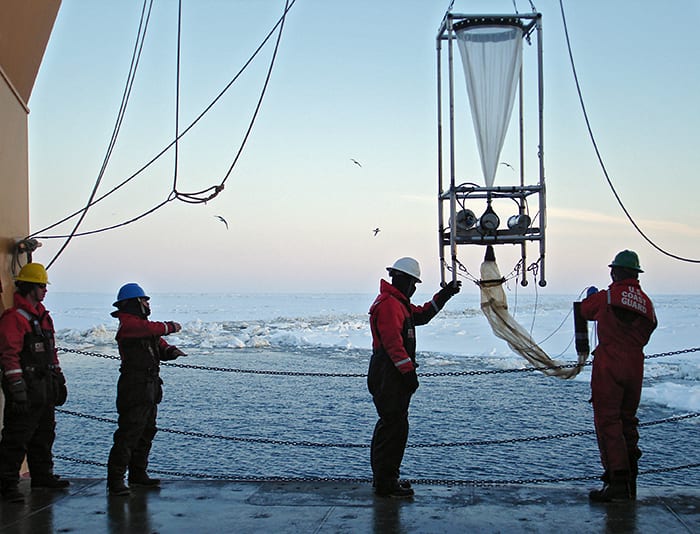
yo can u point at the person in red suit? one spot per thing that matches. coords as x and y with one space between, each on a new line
392 378
33 384
625 320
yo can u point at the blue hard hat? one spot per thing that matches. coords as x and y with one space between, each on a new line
130 291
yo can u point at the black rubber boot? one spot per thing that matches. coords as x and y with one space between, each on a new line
115 478
393 490
634 457
142 479
49 482
403 483
116 487
633 487
617 490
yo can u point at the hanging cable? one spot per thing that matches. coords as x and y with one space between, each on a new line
196 197
213 190
600 158
534 310
177 93
136 55
115 226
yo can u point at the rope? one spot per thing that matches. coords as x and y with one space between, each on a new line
597 151
138 47
195 197
118 225
514 273
177 94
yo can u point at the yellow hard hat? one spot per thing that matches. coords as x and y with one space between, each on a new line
33 272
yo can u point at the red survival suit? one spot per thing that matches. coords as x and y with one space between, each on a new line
625 321
393 320
27 352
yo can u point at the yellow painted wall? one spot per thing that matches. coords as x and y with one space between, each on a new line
14 190
25 28
14 183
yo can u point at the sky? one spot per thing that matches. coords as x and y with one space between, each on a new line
353 80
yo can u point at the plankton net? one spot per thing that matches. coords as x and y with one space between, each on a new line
491 57
491 49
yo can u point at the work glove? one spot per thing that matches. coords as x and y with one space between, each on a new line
591 291
60 389
19 402
173 326
411 381
173 352
447 292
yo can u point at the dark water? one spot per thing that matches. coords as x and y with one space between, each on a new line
338 410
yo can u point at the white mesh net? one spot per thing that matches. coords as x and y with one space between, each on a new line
491 57
495 307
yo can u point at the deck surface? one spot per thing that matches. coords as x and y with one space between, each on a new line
223 506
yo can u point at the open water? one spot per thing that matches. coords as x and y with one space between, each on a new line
220 422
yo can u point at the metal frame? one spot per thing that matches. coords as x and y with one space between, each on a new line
457 196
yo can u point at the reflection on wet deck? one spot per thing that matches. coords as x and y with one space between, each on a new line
223 506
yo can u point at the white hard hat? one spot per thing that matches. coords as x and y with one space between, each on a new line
408 266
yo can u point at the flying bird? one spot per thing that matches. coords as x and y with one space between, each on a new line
507 164
376 231
356 162
222 220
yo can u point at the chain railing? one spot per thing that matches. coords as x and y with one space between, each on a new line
304 443
479 372
301 443
354 480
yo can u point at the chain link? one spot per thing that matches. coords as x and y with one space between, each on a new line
672 353
480 372
349 480
86 353
301 443
440 482
223 369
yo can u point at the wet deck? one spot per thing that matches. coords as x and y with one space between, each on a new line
222 506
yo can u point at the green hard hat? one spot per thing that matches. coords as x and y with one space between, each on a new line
627 259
